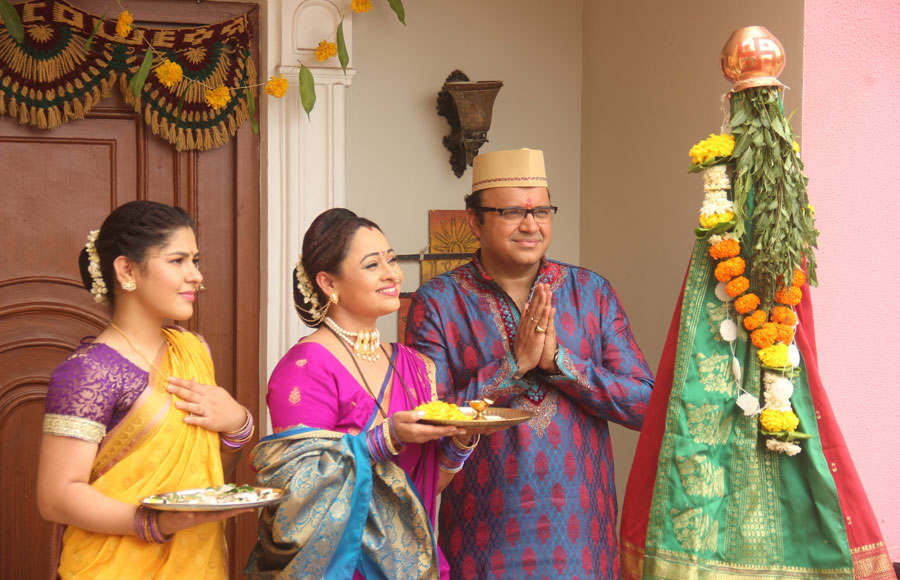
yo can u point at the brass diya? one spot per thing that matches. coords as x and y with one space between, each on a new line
479 406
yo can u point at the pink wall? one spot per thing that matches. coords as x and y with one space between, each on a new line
851 147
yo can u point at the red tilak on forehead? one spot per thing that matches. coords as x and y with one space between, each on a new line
528 203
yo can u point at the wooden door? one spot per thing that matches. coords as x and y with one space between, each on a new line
54 188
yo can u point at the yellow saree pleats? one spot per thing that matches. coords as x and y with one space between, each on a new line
151 451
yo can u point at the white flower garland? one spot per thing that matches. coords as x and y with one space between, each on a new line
98 286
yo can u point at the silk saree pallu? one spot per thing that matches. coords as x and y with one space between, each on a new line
345 515
150 451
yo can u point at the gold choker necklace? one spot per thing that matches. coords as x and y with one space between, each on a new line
365 343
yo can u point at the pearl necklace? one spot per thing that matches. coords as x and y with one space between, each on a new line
365 343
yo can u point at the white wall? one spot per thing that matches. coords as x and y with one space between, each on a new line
398 168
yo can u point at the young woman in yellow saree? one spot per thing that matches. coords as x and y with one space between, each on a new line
120 425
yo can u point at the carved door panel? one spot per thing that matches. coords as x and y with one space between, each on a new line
55 187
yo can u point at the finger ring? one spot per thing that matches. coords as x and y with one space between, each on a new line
533 319
539 330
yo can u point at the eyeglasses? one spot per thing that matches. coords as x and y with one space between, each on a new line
541 214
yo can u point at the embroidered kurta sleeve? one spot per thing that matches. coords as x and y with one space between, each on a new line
603 371
433 328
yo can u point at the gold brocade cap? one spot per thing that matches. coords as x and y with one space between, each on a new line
515 168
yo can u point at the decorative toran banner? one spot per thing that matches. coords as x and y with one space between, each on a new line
51 78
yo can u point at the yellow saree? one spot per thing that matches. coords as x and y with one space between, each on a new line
150 451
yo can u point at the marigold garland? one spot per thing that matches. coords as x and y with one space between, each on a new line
764 336
325 50
737 286
728 269
777 421
755 319
169 73
785 333
784 315
123 24
728 248
361 6
789 296
218 97
799 278
710 148
775 356
746 303
277 86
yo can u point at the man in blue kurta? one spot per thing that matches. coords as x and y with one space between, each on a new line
537 500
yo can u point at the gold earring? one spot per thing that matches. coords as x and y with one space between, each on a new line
201 287
129 286
333 298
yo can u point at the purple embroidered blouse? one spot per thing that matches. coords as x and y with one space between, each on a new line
91 391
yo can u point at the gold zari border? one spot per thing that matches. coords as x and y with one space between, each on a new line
675 566
872 563
77 427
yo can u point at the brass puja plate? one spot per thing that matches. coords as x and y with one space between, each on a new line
224 497
495 418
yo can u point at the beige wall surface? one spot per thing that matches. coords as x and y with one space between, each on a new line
398 168
652 88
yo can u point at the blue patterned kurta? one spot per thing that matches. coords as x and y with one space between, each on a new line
537 500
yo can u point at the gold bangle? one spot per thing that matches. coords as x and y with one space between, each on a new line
471 445
386 431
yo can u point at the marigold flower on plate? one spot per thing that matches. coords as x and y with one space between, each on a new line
361 6
325 50
277 86
764 336
753 320
784 315
775 356
728 269
714 146
746 303
799 278
725 249
778 421
789 296
785 333
218 97
737 286
123 24
169 73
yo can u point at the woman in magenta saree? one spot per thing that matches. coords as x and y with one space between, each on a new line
363 473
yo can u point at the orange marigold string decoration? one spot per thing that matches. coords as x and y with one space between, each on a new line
784 315
764 336
277 86
361 6
789 296
746 303
727 248
737 286
218 97
777 420
325 50
169 73
755 319
123 24
728 269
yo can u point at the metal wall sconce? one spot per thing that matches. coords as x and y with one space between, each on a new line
467 106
